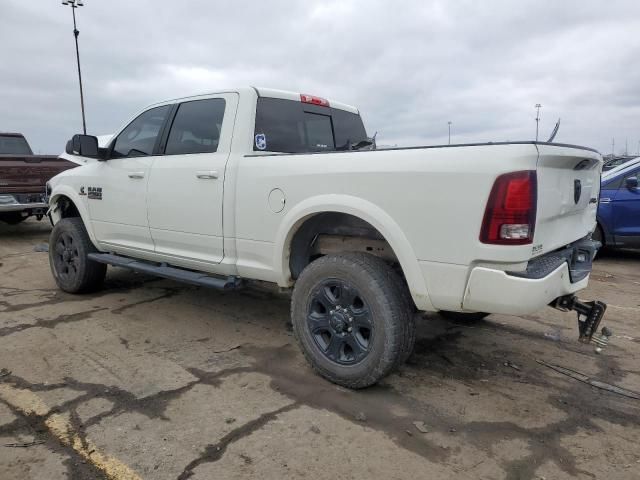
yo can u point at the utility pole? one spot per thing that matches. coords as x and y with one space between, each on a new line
613 147
449 123
538 106
75 4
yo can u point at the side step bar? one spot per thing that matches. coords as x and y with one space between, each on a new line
165 271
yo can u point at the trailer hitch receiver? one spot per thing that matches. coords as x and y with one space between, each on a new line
589 317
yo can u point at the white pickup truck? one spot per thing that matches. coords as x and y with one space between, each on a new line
286 188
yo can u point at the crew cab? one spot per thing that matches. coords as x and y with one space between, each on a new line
261 184
23 176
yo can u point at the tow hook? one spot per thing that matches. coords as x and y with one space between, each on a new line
589 317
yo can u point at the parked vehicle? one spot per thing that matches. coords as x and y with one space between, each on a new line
619 207
616 162
23 177
274 186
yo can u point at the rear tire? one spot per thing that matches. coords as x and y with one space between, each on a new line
464 317
69 247
12 218
351 318
598 236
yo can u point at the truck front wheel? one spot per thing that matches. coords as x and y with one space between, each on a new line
351 318
69 246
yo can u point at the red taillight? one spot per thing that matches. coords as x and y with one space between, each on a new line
304 98
510 216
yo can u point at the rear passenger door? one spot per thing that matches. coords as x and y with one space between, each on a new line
185 191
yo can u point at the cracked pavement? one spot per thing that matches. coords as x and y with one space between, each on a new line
151 379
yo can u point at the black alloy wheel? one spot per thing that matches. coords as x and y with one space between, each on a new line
66 258
340 322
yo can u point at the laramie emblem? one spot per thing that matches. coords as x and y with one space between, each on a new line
577 190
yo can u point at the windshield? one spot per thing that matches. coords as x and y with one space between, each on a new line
614 171
10 144
294 127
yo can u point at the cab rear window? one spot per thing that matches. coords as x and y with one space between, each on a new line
14 145
294 127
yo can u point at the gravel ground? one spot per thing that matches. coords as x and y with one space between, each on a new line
153 379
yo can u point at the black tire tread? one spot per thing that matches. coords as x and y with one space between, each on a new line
401 318
93 272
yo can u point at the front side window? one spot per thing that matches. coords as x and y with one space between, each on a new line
140 136
196 127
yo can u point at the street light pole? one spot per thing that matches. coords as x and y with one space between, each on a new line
75 4
538 106
449 123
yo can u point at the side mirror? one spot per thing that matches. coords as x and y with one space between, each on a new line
631 182
83 145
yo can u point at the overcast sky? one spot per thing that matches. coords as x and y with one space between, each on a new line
410 67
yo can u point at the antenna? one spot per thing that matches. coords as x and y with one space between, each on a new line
554 132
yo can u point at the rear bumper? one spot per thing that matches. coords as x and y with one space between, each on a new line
15 203
496 291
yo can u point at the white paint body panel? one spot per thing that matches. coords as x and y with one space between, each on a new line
185 197
428 203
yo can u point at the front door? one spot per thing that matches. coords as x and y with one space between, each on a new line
117 197
185 191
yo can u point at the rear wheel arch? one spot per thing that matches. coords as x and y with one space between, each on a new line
379 223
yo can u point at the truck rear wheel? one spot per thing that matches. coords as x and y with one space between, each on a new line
69 246
12 218
351 318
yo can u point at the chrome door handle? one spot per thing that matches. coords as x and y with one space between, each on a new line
207 174
136 174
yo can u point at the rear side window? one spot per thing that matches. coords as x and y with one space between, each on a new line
196 127
139 137
294 127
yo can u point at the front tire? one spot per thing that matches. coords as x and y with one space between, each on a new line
69 247
351 319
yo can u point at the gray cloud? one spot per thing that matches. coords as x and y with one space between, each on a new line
410 66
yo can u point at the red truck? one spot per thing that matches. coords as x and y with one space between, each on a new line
23 178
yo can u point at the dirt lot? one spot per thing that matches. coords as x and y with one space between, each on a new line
153 379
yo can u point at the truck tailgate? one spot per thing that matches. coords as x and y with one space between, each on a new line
29 174
568 189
